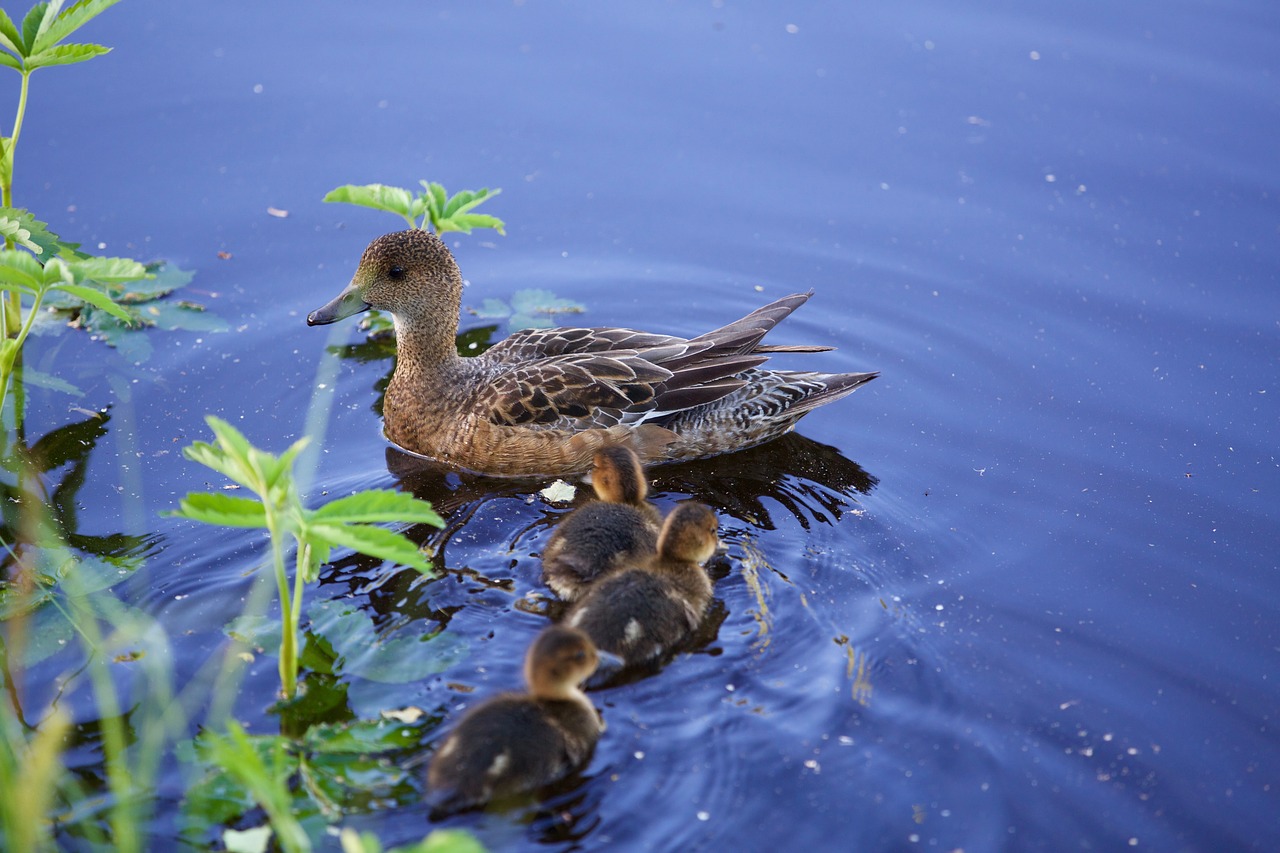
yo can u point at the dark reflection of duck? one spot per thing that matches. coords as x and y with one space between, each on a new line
516 743
643 613
619 528
815 482
543 401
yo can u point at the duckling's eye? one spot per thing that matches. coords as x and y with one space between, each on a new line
396 272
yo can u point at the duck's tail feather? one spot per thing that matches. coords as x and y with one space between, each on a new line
837 385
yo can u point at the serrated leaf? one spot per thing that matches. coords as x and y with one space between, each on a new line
96 298
108 270
50 245
71 20
65 54
465 222
10 38
374 541
32 24
375 505
376 196
218 508
20 269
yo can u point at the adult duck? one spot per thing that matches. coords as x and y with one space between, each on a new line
543 401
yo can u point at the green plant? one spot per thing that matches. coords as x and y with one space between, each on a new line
439 841
23 274
36 45
435 206
345 523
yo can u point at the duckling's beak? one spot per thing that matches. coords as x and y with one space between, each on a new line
609 666
347 303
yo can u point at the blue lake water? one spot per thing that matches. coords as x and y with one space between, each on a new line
1018 593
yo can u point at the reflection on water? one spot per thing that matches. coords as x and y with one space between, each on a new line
812 481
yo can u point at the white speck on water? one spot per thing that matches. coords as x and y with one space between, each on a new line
793 29
257 88
704 815
639 755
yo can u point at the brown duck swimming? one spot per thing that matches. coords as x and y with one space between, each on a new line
618 529
543 401
642 613
515 743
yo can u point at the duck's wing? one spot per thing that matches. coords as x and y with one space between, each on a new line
560 390
531 344
597 377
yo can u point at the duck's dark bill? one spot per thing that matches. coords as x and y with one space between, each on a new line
347 303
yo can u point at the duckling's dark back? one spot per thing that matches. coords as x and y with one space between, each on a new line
621 528
510 745
594 540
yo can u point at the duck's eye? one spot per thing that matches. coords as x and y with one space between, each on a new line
396 272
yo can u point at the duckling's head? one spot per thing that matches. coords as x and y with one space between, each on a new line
559 660
617 477
689 534
410 274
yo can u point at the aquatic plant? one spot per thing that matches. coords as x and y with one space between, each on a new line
433 204
347 522
89 290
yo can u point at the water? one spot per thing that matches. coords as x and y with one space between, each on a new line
1018 593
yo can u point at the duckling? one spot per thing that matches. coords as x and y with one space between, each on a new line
515 743
620 528
643 612
543 401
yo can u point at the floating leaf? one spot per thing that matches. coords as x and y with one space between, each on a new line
50 383
362 652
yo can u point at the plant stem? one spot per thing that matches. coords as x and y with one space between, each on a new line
288 635
13 298
6 367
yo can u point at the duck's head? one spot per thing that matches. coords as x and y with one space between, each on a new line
410 274
559 660
616 475
689 534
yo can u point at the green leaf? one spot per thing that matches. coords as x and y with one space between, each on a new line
65 54
181 315
95 298
374 541
216 508
12 62
363 652
108 270
376 196
71 20
465 222
20 269
374 505
492 309
10 38
33 24
48 244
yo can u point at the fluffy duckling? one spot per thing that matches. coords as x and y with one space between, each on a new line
644 612
620 528
515 743
543 401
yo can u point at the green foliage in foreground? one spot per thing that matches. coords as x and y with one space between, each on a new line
433 205
345 523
